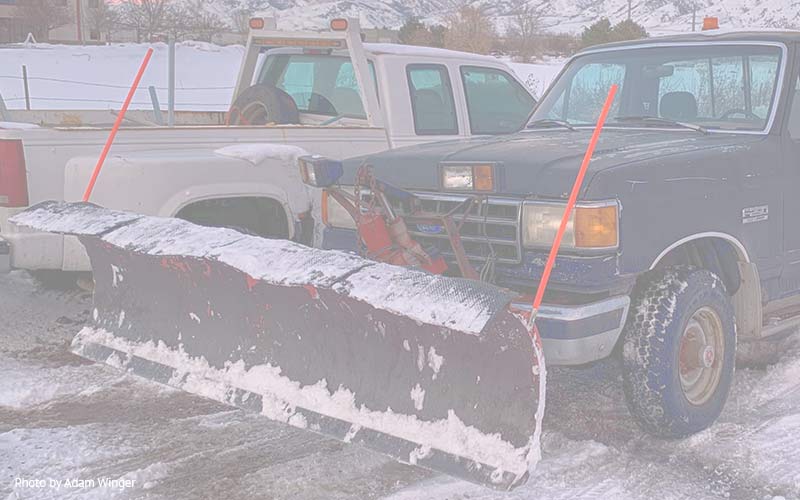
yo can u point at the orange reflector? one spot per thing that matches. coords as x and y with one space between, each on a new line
482 178
710 23
595 227
339 24
257 23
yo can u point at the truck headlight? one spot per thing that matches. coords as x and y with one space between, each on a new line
473 177
334 214
319 171
591 225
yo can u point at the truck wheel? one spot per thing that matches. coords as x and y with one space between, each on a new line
679 348
261 105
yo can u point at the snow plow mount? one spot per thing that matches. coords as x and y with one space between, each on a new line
383 235
433 371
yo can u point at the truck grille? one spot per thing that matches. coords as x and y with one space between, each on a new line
492 225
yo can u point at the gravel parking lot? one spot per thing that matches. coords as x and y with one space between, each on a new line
64 419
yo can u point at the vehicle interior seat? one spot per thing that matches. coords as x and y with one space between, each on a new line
679 106
431 111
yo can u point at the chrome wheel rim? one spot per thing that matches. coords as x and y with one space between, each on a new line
701 356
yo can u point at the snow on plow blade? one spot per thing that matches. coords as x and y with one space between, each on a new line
430 370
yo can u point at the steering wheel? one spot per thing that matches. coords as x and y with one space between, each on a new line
747 114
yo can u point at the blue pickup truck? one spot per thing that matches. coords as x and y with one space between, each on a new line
684 241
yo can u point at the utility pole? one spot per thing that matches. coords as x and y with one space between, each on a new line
79 20
630 10
694 17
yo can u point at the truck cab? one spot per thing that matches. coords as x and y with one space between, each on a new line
683 244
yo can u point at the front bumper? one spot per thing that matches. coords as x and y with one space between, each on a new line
576 335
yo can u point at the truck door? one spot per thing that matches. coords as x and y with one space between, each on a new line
790 281
433 111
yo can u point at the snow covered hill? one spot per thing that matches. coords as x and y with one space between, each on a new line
659 16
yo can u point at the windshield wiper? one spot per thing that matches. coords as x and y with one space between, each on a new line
547 122
662 121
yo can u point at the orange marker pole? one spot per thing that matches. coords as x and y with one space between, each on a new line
121 116
573 198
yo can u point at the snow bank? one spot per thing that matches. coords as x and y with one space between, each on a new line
98 77
24 385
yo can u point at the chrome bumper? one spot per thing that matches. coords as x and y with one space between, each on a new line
575 335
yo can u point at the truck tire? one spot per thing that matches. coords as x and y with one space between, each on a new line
678 352
261 105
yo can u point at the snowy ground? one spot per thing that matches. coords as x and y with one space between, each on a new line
62 418
98 77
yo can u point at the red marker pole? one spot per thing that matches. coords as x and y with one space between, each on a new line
573 198
121 116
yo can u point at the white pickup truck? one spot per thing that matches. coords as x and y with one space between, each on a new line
324 93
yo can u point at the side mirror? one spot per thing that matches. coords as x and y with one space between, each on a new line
319 171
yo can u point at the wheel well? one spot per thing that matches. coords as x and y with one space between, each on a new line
260 216
715 254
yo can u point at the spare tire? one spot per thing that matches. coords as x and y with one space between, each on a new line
263 104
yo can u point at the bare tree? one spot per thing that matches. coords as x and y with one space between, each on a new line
178 19
101 20
522 33
42 16
470 30
202 23
146 17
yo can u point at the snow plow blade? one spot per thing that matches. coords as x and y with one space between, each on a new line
433 371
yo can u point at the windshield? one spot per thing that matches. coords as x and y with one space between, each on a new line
723 87
318 83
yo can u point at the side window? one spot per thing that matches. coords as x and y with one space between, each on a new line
432 100
794 116
497 103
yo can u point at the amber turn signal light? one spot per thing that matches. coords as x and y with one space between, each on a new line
483 176
596 227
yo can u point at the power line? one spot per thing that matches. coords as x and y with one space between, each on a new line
106 85
110 101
